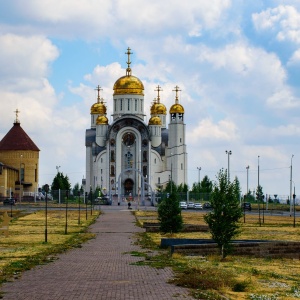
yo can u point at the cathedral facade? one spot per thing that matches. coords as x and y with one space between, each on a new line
129 156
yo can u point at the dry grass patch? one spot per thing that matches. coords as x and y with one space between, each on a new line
238 277
25 246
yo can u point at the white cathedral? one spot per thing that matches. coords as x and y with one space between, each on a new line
128 156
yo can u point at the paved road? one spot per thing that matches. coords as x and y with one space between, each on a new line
101 269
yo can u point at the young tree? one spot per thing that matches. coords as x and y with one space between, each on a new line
259 194
76 189
260 198
169 214
182 188
202 191
170 187
226 212
206 185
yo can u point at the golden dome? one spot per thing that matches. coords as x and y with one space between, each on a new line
128 84
101 120
177 108
158 109
161 109
98 108
155 121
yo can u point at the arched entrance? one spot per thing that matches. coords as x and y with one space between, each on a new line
128 187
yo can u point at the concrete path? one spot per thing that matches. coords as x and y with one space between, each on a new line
101 269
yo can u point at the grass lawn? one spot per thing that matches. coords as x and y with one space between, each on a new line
235 277
25 245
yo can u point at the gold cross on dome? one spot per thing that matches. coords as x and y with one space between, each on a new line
17 114
176 90
128 54
98 89
158 89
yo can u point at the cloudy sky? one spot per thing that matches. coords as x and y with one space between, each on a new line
236 62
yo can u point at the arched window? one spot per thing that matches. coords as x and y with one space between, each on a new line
112 155
112 170
144 171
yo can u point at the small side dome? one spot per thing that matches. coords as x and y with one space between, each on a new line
177 108
94 108
128 84
98 108
155 121
153 109
102 120
158 109
161 109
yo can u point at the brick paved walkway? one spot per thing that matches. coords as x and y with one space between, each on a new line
101 269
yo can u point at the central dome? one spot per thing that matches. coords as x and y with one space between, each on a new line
128 84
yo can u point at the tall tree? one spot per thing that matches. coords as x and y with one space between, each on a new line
205 186
226 212
60 182
169 214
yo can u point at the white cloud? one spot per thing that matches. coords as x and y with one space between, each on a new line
92 18
24 65
290 130
284 20
206 130
25 57
295 58
283 99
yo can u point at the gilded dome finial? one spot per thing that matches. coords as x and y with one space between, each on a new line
176 90
128 70
17 114
158 89
98 89
176 108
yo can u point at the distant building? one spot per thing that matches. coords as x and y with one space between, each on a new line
129 155
19 163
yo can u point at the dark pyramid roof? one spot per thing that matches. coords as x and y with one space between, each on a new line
17 139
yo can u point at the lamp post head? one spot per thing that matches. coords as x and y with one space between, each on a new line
228 152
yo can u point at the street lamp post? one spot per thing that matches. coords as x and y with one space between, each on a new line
258 191
171 173
294 197
91 191
78 207
247 168
66 224
199 169
228 172
20 180
46 187
291 181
